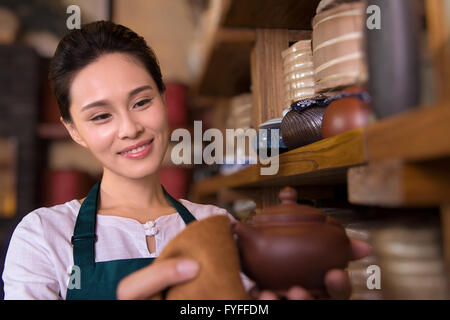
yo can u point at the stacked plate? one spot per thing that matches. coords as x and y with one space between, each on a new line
411 262
241 112
298 72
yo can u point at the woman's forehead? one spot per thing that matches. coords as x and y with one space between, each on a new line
111 75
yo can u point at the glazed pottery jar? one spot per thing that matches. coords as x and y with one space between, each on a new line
345 114
291 244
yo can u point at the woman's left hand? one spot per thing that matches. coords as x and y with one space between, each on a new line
337 281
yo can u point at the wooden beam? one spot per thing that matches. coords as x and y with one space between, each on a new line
235 35
436 25
438 46
267 74
418 134
394 183
297 35
321 163
286 14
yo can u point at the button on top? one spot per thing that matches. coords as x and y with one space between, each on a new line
150 228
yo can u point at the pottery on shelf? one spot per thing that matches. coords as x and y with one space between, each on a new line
291 244
343 115
338 47
300 128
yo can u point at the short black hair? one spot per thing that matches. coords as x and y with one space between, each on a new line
81 47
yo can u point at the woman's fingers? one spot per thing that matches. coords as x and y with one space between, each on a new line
298 293
156 277
268 295
338 284
359 248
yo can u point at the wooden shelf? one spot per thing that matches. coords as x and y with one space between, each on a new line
419 134
231 37
275 14
395 183
409 158
227 69
323 162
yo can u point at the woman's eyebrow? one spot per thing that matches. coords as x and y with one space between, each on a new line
139 89
101 103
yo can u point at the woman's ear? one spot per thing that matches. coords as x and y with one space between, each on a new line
70 127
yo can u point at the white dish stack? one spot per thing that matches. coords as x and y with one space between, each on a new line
298 72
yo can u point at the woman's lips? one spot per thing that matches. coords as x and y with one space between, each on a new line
139 152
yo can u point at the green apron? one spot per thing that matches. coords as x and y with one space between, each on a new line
99 280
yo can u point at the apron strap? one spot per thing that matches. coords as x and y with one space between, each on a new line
84 236
182 211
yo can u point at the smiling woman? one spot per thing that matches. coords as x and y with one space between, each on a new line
110 92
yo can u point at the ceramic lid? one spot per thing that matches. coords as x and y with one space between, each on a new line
289 210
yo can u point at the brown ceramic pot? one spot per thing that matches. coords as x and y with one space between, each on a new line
343 115
291 244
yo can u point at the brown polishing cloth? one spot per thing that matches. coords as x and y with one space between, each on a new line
210 242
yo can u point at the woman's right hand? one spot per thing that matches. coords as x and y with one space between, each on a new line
150 280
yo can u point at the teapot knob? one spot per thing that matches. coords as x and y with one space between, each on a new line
288 195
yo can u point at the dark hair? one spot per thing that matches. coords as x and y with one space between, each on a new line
81 47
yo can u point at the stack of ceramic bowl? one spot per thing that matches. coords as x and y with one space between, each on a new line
298 72
411 262
241 112
239 117
361 270
338 47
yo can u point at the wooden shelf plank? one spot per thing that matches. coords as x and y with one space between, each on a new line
394 183
226 72
418 134
323 162
286 14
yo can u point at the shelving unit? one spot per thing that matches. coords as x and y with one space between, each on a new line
320 163
327 161
398 162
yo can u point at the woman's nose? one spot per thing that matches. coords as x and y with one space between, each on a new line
129 127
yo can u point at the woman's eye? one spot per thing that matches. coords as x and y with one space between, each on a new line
100 117
143 102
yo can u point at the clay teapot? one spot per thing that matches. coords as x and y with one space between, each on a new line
291 244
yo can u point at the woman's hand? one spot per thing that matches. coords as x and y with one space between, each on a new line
337 281
150 280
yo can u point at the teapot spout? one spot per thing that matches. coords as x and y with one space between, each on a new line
244 231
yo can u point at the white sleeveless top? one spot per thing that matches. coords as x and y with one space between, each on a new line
40 258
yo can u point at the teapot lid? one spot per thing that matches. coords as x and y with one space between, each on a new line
288 198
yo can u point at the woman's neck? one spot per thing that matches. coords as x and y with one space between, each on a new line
117 192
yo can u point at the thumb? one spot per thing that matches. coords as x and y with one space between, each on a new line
156 277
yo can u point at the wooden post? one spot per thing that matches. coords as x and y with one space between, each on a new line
267 74
437 30
438 46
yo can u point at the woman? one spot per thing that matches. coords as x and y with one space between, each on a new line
109 88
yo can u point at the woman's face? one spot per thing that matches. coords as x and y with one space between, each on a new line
115 105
